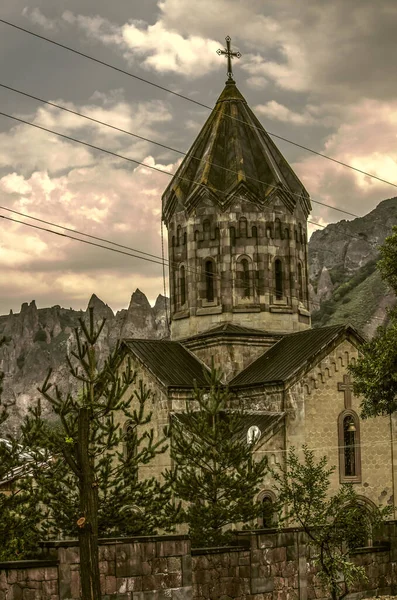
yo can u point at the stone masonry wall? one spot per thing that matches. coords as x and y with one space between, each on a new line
265 565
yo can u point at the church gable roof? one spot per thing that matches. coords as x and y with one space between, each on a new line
170 362
233 150
288 356
230 329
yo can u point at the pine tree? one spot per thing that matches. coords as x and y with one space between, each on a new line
19 515
334 524
215 474
91 486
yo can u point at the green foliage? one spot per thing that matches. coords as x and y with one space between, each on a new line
375 373
125 504
333 524
362 294
215 473
19 514
388 260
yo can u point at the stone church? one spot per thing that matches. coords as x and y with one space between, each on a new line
236 215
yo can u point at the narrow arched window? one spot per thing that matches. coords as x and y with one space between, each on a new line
278 277
246 284
242 227
130 441
182 285
206 229
300 233
300 282
209 281
173 241
178 235
185 238
277 229
296 235
267 513
196 235
217 233
286 233
130 453
254 232
349 442
349 447
232 232
269 232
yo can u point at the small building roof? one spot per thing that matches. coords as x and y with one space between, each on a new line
170 362
290 355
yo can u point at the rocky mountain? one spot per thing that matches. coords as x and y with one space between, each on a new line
345 285
39 339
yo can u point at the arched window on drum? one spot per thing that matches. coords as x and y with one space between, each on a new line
278 279
209 278
182 285
301 294
244 277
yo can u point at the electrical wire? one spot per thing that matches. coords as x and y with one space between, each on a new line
65 235
182 96
308 302
157 169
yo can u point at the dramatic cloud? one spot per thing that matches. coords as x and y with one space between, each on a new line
100 195
366 141
321 74
154 46
274 110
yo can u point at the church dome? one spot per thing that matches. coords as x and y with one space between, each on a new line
233 153
236 215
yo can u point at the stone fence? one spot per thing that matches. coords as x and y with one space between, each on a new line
263 565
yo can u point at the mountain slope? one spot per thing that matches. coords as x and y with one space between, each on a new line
345 286
39 339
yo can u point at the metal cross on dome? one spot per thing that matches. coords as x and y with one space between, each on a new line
230 54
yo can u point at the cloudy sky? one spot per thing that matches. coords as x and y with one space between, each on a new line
319 73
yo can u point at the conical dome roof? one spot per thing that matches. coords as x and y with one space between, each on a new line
233 154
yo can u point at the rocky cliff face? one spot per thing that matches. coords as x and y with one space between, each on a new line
39 339
345 286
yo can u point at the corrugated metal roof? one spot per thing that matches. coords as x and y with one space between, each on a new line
230 329
170 362
287 356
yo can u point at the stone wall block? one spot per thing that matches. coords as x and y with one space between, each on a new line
50 588
75 584
280 554
185 593
130 567
173 580
244 558
107 552
159 565
187 570
64 581
262 585
148 550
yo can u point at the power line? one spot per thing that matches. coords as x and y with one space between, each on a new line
137 162
64 108
310 303
124 72
94 237
65 235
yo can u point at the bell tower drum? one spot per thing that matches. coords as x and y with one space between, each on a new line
236 215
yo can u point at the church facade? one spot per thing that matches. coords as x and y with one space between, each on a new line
236 215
